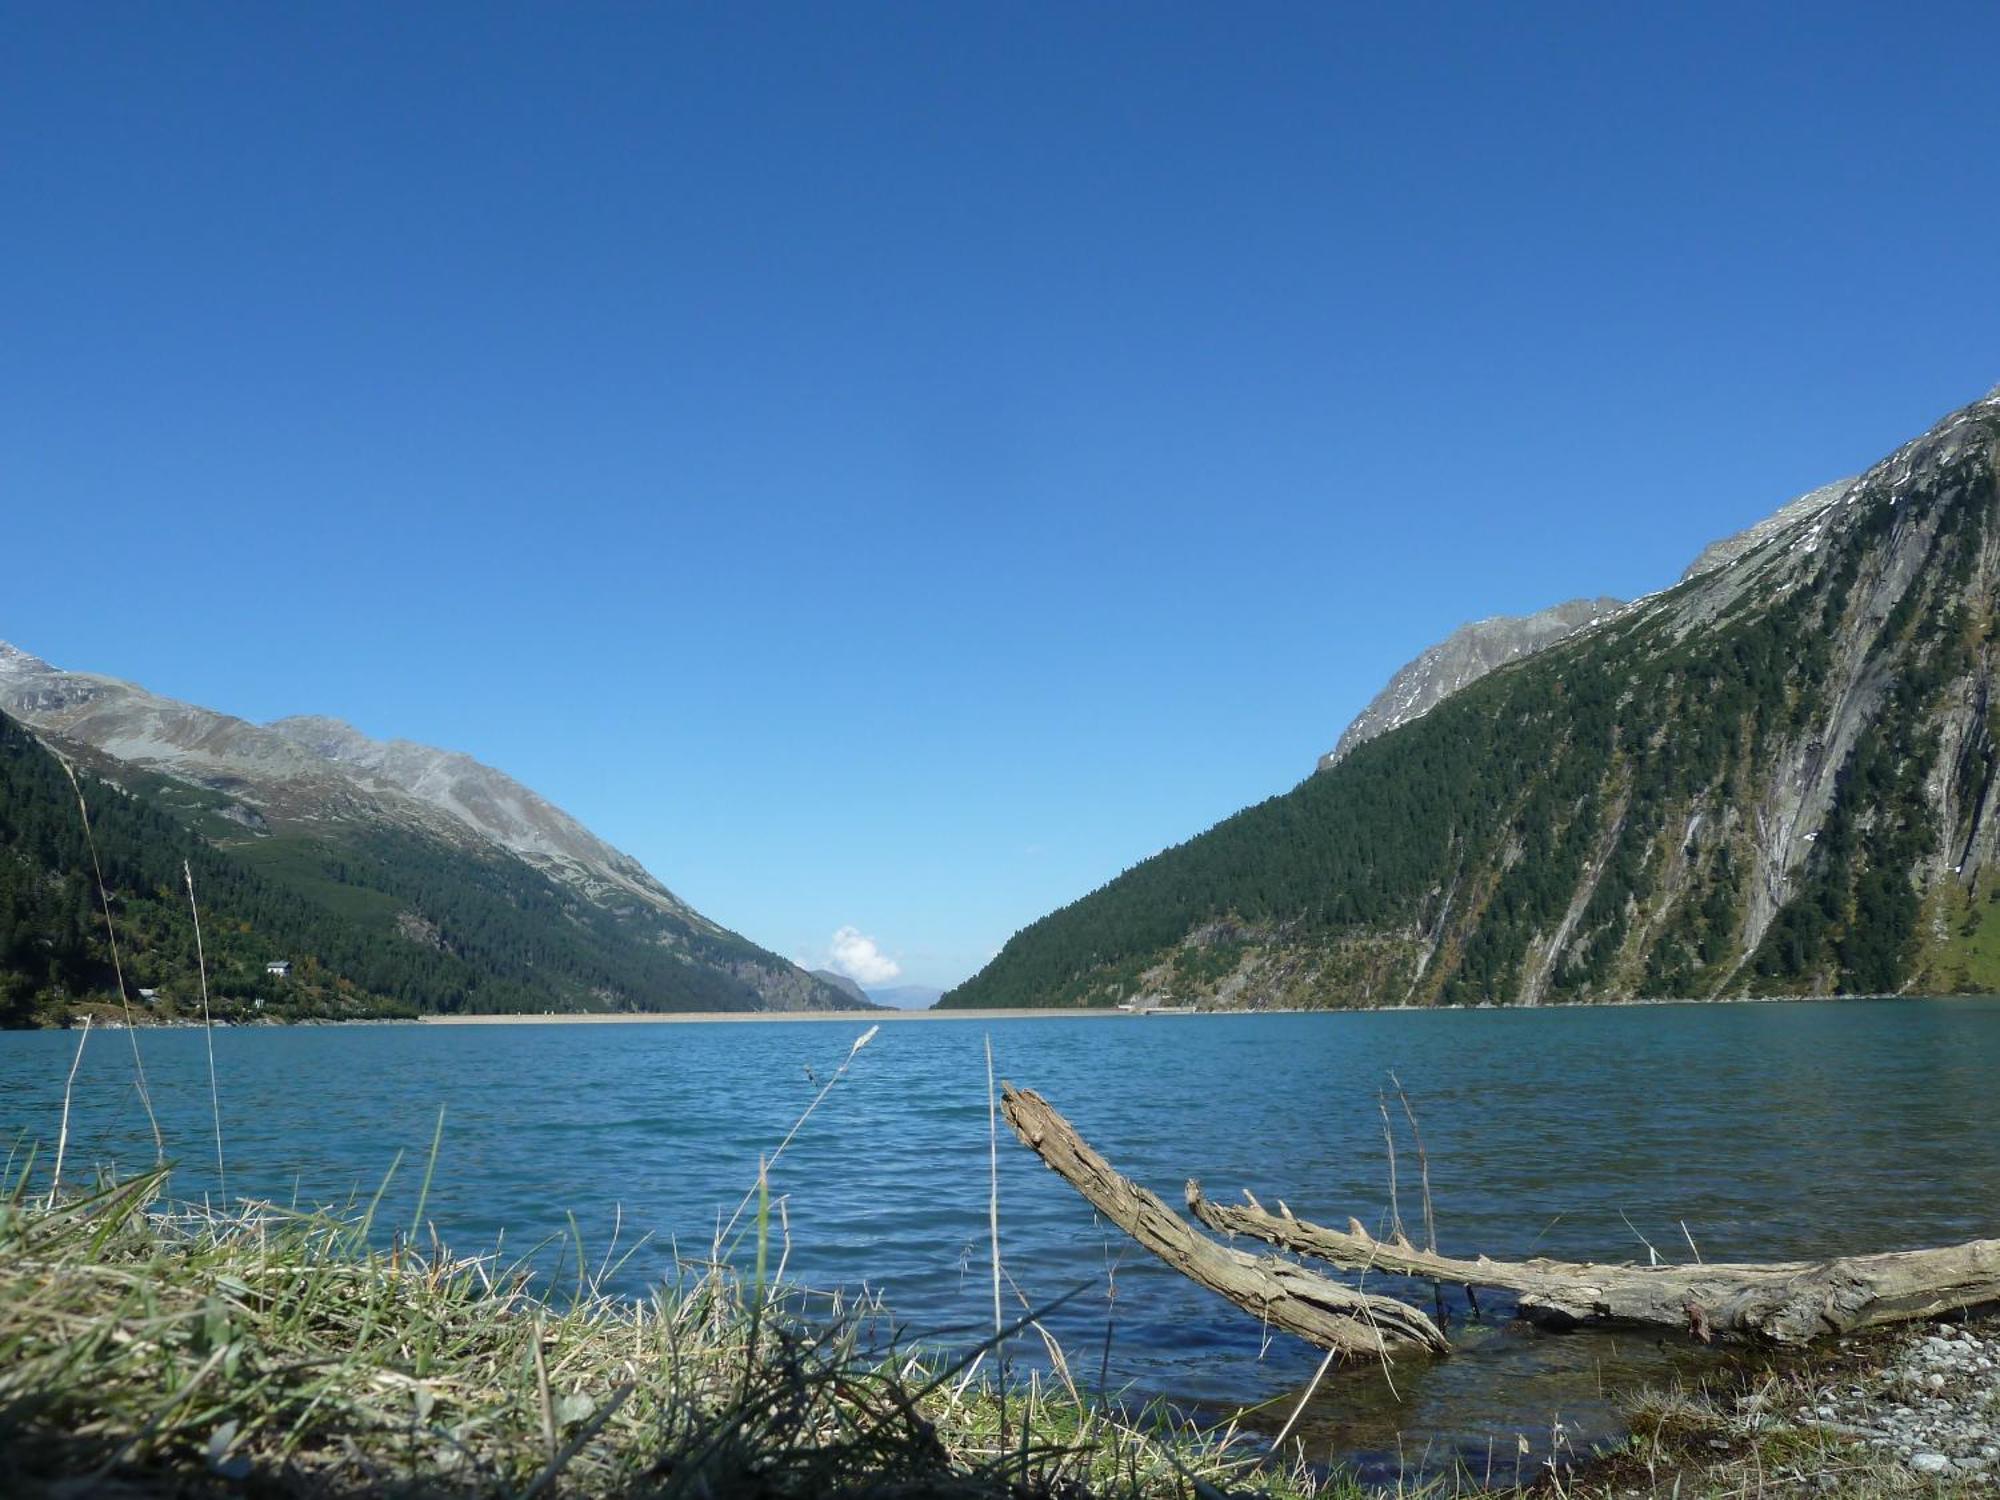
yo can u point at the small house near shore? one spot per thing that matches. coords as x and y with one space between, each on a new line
280 968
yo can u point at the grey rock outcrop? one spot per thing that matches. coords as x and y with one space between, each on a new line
319 769
1721 554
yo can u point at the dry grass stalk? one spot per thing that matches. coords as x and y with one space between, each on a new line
721 1250
1389 1140
117 967
208 1033
69 1088
1423 1165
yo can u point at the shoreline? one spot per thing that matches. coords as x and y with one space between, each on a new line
762 1017
116 1022
1045 1013
1913 1408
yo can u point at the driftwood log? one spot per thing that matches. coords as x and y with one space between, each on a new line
1784 1302
1280 1292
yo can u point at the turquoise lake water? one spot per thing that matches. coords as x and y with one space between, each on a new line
1769 1131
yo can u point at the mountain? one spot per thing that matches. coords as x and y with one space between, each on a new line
855 994
906 996
1777 776
426 846
1721 554
1471 651
55 958
318 769
1460 659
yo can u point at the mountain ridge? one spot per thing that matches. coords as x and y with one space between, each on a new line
1462 658
323 807
132 725
1482 646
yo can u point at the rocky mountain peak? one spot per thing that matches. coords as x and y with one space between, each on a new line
317 781
1471 651
1463 657
486 801
16 662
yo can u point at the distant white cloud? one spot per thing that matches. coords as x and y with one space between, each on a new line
854 954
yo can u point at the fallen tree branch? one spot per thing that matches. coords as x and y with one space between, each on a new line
1279 1292
1784 1302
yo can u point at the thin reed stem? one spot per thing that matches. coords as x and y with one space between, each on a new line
993 1224
1652 1255
993 1195
117 968
1305 1396
208 1034
430 1167
1692 1248
1389 1138
1423 1165
62 1135
766 1162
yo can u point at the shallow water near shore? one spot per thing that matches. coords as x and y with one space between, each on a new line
1755 1131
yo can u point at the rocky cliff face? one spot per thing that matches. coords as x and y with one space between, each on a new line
1778 776
313 777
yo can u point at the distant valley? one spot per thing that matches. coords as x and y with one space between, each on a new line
894 996
906 996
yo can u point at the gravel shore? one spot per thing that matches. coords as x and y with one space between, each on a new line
1931 1401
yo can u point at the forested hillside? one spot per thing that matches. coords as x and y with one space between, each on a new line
1776 777
372 919
53 949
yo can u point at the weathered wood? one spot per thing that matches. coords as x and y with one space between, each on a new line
1280 1292
1784 1302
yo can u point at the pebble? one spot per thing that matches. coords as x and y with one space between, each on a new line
1934 1402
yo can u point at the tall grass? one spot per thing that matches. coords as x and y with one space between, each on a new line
174 1351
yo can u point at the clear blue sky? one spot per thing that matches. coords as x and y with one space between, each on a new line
894 467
